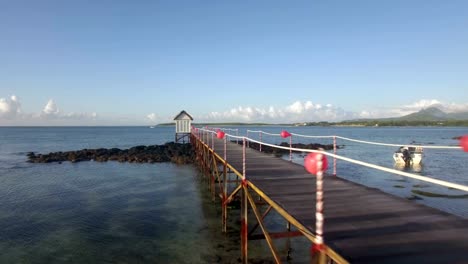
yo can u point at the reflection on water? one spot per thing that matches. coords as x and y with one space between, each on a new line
412 168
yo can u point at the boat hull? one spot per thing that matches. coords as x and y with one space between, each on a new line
416 158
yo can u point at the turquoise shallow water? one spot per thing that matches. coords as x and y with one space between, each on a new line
92 212
103 212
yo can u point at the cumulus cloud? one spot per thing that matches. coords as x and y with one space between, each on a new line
416 106
50 109
11 114
300 111
10 107
296 112
152 117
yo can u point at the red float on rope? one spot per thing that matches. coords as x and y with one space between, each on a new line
220 134
310 162
464 143
285 134
316 248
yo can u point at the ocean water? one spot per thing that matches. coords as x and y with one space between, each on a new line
91 212
445 164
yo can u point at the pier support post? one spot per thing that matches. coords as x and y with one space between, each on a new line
244 225
225 185
244 204
224 204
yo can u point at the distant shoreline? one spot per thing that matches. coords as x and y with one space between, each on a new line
373 123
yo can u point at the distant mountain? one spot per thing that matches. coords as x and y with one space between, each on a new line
434 114
426 114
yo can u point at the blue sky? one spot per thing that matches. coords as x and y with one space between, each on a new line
142 62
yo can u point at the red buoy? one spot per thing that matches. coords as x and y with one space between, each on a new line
220 134
285 134
464 143
311 160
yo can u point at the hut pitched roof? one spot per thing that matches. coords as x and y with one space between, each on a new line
181 114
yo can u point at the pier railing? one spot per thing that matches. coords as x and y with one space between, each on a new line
210 158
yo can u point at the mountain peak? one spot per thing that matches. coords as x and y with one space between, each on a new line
427 114
434 111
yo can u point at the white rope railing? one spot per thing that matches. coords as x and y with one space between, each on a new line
263 132
369 165
363 141
362 163
309 136
319 246
399 145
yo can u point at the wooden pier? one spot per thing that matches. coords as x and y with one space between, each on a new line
362 224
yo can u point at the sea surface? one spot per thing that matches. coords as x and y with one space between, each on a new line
111 212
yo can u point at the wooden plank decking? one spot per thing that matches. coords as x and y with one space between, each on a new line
362 224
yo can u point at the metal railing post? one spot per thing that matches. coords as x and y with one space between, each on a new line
334 158
260 136
247 136
212 141
244 212
318 247
290 148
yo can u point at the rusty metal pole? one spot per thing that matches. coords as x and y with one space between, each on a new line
225 188
260 136
248 144
334 158
290 146
244 224
212 141
212 168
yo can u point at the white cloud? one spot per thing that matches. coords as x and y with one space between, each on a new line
422 104
307 111
51 109
296 108
416 106
296 112
454 108
11 114
10 107
152 117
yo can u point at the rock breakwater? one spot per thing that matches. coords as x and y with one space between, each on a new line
277 151
169 152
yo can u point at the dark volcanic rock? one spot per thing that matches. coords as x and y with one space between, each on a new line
175 152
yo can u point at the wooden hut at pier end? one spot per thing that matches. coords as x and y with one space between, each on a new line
183 124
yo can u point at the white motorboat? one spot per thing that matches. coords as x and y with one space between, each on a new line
408 155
